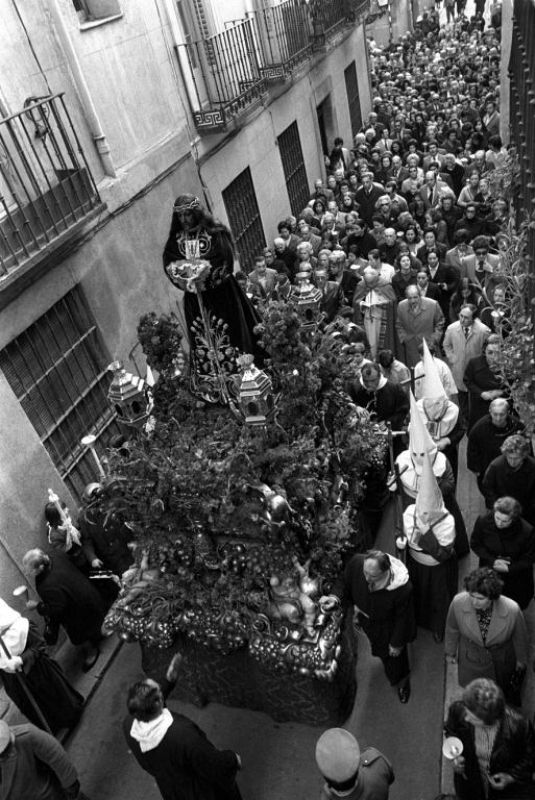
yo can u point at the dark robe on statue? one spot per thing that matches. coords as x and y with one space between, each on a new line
222 296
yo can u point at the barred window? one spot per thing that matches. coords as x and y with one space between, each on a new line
353 99
244 218
293 165
57 369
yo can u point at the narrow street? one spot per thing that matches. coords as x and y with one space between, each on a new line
278 758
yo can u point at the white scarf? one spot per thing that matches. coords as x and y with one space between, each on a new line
14 632
150 734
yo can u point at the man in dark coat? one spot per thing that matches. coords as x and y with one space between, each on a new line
483 380
34 765
171 748
332 295
378 586
512 475
386 400
367 197
487 436
68 599
105 536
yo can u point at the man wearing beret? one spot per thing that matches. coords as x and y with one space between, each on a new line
34 765
349 772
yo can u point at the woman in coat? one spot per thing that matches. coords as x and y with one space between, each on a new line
498 747
485 632
68 599
506 542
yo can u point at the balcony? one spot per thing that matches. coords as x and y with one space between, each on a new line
226 75
232 70
47 192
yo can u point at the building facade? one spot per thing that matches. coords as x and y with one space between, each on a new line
108 111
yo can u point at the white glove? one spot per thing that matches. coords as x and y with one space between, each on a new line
401 542
14 664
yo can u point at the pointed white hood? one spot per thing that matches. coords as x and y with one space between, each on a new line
430 383
420 440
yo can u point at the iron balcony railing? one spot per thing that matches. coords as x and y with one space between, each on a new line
287 34
229 71
46 186
226 73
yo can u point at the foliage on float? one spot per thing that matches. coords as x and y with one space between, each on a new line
239 529
514 319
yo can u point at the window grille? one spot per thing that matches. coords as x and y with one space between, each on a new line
293 165
244 217
57 369
353 99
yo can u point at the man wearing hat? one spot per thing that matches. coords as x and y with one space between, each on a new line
349 772
34 765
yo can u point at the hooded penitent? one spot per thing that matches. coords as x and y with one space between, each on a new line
14 632
428 513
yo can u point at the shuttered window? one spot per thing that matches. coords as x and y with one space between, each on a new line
293 165
57 370
353 99
244 218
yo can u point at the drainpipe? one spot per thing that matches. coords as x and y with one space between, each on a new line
90 112
179 38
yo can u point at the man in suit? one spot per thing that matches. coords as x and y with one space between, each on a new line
307 235
434 190
262 280
347 280
464 340
446 278
427 288
332 295
418 317
367 196
479 265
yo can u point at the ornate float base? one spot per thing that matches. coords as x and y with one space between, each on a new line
239 680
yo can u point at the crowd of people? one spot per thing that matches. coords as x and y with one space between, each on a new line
403 239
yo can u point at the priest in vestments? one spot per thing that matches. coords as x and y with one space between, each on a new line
374 307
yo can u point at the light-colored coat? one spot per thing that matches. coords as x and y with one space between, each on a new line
427 322
459 350
506 643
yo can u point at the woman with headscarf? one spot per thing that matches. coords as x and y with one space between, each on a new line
28 663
